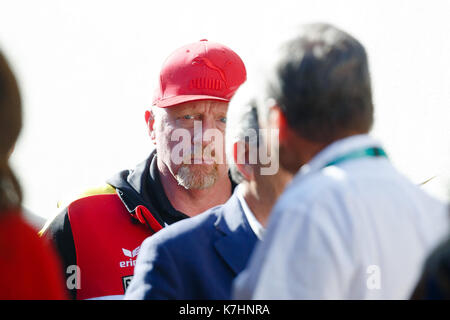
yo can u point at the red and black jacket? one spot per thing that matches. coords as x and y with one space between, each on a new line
102 233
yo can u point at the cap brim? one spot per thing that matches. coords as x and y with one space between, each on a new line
173 101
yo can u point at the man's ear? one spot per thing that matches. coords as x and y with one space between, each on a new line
278 120
241 160
150 120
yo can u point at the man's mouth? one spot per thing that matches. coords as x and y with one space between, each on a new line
196 160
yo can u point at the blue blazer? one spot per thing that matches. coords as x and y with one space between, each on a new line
196 258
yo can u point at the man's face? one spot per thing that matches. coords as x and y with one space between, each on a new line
184 144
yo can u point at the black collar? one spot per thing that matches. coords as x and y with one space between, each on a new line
142 186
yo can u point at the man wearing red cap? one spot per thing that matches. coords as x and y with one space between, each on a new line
99 235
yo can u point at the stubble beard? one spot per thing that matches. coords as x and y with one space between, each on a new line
197 177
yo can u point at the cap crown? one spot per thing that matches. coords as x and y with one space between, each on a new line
199 71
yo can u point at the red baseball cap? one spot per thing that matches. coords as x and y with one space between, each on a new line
202 70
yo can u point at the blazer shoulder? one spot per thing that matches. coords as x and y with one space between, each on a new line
187 230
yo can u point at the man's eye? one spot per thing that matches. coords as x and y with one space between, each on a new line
223 119
188 117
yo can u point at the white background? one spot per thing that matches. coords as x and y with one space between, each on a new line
87 70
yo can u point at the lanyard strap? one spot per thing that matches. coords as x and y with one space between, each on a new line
361 153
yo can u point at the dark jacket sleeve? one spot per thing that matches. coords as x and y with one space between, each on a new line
434 283
59 232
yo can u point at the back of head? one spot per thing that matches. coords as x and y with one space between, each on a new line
321 82
10 125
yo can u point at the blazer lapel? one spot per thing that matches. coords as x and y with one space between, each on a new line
236 239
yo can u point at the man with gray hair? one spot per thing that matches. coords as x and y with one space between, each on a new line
198 258
98 234
349 226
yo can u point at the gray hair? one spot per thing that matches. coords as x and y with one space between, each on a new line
321 83
242 125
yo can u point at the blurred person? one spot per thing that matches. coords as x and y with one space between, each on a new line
37 222
434 283
29 267
31 218
198 258
99 235
349 225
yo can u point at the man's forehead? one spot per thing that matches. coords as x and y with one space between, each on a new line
199 106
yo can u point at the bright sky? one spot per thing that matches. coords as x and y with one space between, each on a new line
87 70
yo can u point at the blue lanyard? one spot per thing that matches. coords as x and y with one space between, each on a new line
361 153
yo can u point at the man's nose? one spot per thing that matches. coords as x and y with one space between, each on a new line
200 127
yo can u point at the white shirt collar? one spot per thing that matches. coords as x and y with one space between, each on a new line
337 149
257 228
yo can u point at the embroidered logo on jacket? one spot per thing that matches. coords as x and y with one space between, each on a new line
130 254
